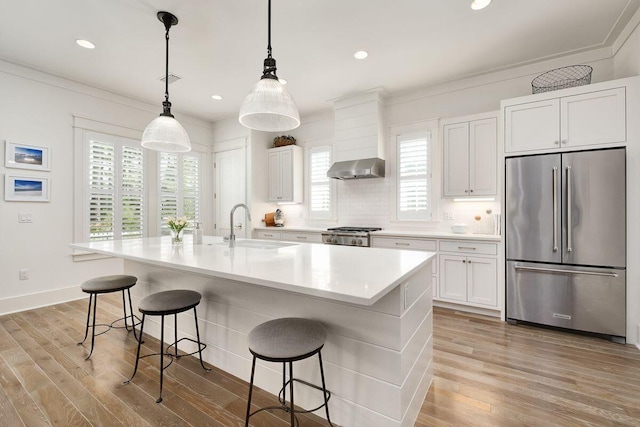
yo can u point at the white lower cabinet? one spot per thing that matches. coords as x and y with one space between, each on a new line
469 279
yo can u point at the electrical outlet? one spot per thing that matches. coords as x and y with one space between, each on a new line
24 274
448 215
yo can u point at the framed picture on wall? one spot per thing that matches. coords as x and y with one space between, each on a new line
26 189
22 156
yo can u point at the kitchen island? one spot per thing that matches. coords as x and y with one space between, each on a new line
376 305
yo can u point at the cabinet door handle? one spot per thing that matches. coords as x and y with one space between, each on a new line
471 248
564 141
556 142
464 260
471 191
268 235
402 244
301 237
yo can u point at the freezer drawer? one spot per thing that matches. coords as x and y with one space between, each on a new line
580 298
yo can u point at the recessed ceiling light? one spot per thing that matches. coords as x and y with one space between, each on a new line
216 97
361 54
479 4
86 44
282 81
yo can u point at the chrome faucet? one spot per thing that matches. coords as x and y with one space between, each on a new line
232 235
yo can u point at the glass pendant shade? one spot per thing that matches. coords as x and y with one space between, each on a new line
269 107
165 134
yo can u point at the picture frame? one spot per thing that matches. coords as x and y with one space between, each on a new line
24 156
19 188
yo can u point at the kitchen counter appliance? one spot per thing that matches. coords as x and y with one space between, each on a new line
566 240
348 236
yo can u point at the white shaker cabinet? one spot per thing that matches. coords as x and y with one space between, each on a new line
565 122
285 174
467 278
470 158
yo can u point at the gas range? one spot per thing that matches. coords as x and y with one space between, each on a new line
348 236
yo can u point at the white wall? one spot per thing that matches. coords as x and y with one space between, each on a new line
38 109
626 62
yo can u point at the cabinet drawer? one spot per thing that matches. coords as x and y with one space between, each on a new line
268 235
414 244
469 247
301 237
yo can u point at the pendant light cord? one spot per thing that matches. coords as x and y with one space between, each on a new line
269 31
166 66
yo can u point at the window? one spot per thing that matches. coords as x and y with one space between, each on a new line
413 192
320 189
115 188
179 187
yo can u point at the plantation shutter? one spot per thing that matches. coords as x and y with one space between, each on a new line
414 178
115 188
102 187
319 183
179 188
132 195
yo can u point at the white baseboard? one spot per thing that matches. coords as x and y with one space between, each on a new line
39 299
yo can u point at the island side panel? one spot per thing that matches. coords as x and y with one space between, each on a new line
377 359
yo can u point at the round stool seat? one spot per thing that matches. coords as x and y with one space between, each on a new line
105 284
169 302
287 339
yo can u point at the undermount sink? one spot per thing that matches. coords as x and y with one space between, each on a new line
258 244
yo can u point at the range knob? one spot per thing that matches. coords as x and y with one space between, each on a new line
334 240
359 242
353 241
327 240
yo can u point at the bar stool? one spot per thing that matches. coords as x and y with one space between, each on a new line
105 285
288 340
163 304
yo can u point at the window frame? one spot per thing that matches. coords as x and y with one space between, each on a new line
161 228
85 130
330 215
427 215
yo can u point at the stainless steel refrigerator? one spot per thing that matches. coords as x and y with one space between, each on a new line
565 236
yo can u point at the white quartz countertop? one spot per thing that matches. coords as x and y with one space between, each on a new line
436 235
343 273
419 234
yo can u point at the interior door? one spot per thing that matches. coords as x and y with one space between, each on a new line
594 194
532 208
231 189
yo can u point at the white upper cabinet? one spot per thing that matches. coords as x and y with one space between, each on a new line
568 122
470 158
285 174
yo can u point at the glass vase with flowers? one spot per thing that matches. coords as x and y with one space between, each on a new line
176 226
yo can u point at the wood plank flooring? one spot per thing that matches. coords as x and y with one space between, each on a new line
487 373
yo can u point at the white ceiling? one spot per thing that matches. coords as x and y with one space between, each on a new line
219 45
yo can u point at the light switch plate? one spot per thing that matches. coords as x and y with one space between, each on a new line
25 218
448 215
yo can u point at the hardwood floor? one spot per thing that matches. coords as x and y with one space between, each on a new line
487 373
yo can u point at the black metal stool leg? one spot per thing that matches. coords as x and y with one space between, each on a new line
293 415
93 328
253 371
195 316
124 310
324 389
133 321
86 329
159 399
135 368
175 331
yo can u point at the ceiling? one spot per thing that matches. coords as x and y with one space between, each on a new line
219 45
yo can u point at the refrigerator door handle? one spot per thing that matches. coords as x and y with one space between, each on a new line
569 201
555 209
557 270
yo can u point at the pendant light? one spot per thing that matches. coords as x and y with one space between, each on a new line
269 107
165 133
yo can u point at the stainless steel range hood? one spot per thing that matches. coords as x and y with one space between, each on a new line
354 169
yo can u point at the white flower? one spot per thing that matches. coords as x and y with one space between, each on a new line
177 224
